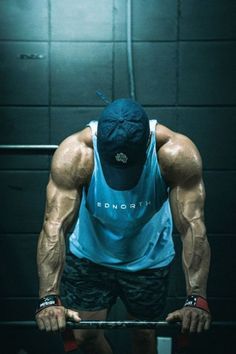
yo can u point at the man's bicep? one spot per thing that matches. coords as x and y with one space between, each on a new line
187 205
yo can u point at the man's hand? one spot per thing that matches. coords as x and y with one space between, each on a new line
193 319
54 318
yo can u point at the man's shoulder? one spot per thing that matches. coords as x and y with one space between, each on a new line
76 141
73 159
178 156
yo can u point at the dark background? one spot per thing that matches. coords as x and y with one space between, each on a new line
185 70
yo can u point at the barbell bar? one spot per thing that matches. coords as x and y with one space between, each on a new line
83 324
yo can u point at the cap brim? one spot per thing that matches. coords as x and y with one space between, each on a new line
121 178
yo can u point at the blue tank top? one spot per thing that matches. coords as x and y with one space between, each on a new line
129 230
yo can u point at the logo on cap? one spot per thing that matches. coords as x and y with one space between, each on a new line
121 157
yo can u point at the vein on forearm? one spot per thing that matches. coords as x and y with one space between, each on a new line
51 257
51 247
195 252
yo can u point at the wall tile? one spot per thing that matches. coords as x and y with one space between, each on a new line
217 340
18 265
22 308
67 121
24 125
81 20
213 130
29 340
24 20
161 17
212 19
164 115
207 73
222 265
24 160
220 202
23 81
121 75
22 201
154 72
78 70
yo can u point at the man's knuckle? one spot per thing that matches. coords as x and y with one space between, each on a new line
40 316
60 314
196 315
188 314
61 310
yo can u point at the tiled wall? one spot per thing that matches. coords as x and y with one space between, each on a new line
185 75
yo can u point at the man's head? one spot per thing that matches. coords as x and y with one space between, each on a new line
122 138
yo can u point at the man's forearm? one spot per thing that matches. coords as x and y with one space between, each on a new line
196 260
50 260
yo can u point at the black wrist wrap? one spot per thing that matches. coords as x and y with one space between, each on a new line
49 300
198 302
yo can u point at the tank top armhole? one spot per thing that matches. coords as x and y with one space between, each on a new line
93 126
152 125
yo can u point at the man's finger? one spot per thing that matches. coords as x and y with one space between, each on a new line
52 317
195 318
40 324
47 324
174 316
207 323
54 324
201 324
61 320
73 315
186 322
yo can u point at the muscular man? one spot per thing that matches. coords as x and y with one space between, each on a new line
120 179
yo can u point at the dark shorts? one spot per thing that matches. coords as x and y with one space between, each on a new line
90 287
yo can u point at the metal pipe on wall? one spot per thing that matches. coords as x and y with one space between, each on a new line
130 50
12 147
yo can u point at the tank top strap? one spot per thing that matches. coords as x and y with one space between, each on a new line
152 125
93 126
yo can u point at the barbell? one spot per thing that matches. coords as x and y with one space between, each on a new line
164 328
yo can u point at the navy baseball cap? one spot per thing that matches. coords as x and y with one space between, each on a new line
122 137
